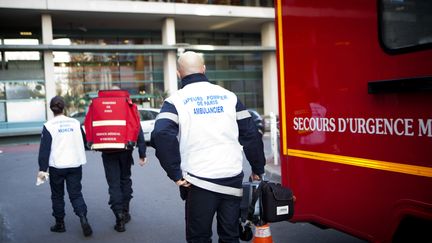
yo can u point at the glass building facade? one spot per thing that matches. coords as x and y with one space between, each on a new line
79 74
22 86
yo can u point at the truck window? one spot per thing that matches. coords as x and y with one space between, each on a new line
405 24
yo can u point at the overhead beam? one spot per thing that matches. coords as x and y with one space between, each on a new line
136 48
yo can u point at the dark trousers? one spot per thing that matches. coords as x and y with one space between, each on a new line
117 167
201 206
72 176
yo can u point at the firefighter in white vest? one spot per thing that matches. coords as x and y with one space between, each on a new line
199 137
62 154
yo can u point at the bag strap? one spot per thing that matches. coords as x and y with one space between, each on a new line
256 196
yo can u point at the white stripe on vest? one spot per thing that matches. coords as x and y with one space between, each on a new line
214 187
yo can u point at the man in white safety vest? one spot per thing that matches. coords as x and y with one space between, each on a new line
199 137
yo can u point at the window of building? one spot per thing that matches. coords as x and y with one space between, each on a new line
22 55
18 111
22 85
240 73
2 112
79 76
2 103
217 38
106 37
19 96
2 91
406 24
24 90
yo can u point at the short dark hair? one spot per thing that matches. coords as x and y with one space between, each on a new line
57 105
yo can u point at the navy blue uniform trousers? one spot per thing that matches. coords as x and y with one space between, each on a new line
117 167
201 206
72 177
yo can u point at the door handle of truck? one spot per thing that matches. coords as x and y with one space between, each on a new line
404 85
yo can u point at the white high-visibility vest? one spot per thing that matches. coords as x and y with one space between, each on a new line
208 130
67 147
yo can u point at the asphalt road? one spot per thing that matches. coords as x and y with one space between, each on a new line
157 211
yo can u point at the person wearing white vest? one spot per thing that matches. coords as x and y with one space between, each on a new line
200 136
62 154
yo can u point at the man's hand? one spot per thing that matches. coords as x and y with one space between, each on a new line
42 176
255 177
142 161
183 182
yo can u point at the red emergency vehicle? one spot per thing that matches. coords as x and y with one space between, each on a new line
355 97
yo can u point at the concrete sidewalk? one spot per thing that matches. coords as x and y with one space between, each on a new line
272 171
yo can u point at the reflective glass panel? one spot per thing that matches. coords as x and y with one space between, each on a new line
19 111
2 112
2 91
240 73
79 76
406 23
25 90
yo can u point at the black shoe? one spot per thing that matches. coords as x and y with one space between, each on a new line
127 216
120 222
86 228
59 226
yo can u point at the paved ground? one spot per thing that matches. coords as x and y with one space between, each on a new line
25 210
